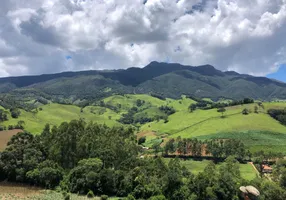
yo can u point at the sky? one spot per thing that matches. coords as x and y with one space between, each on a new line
48 36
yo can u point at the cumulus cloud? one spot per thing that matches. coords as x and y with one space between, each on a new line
241 35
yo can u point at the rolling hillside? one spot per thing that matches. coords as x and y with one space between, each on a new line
257 130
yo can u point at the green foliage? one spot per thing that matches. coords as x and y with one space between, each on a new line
3 115
15 113
167 110
90 194
142 140
278 114
245 111
47 174
221 110
103 197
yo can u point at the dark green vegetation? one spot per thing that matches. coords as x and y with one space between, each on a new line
93 159
278 114
158 79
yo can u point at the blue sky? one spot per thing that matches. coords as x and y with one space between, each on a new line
280 74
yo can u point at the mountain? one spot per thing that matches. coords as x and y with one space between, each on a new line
165 79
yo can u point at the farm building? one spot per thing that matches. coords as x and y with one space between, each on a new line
266 169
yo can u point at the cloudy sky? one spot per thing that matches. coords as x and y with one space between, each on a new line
45 36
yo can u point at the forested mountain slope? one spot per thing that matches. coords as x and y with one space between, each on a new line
164 79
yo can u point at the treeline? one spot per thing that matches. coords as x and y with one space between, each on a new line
278 114
205 105
218 149
96 160
19 125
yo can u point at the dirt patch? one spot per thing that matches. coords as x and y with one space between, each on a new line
146 134
5 136
9 191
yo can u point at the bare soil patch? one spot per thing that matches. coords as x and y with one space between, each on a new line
146 134
5 136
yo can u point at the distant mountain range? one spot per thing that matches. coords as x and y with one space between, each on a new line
165 79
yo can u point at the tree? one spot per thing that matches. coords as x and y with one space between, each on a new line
192 107
3 115
47 174
142 140
245 111
157 148
20 124
85 176
256 109
15 112
222 111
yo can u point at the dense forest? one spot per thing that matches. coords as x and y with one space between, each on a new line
97 160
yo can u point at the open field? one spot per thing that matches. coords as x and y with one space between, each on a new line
255 140
246 170
5 137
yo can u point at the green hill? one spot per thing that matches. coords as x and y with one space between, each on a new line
257 130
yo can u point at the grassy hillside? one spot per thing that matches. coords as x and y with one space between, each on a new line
55 114
257 131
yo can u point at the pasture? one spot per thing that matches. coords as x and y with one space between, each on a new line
195 167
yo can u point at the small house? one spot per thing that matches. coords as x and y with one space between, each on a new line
266 169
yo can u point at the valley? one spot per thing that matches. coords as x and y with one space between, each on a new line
75 128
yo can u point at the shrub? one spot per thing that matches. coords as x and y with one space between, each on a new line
245 111
104 197
142 140
130 197
90 194
66 196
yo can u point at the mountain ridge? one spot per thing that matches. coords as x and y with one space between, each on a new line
167 79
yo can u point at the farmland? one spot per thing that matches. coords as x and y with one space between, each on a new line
202 124
5 137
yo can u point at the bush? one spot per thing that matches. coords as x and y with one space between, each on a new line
142 140
245 111
159 197
66 196
104 197
130 197
90 194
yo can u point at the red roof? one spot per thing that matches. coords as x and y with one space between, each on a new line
266 167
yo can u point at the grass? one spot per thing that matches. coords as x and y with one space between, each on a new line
11 191
205 122
246 170
55 114
233 123
255 140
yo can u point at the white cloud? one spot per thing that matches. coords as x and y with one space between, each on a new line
242 35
